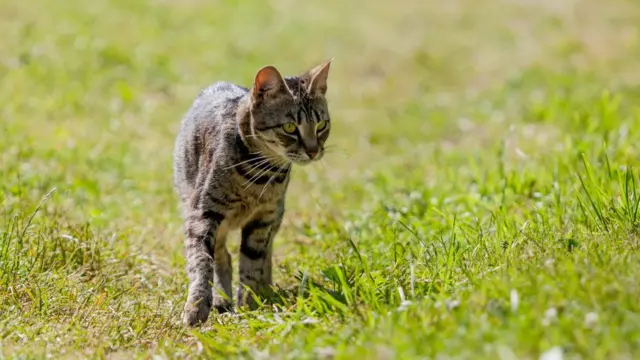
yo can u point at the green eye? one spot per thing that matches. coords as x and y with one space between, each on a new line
289 127
321 125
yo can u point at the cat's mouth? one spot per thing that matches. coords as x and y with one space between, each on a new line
303 160
295 159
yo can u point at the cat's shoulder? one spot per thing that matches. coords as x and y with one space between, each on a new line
223 90
218 100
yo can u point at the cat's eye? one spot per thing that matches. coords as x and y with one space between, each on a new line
321 125
289 127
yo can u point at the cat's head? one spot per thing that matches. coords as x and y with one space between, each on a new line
290 115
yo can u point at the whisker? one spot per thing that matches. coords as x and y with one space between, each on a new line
333 148
255 166
246 161
255 177
271 178
346 155
322 164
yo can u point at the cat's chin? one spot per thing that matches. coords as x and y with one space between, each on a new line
306 161
302 162
299 161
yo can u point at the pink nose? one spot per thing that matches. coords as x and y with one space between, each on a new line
312 153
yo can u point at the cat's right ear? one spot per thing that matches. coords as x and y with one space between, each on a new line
269 84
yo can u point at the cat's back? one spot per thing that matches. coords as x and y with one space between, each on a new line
212 114
218 102
220 94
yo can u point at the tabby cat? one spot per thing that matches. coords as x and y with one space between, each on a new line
232 165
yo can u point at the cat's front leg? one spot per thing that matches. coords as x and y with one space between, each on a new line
200 229
255 257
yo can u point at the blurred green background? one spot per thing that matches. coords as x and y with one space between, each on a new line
480 147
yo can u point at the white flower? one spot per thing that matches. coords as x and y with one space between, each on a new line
554 353
590 319
514 301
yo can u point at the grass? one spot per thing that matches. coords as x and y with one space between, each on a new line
482 199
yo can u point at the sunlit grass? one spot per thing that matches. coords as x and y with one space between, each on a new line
480 199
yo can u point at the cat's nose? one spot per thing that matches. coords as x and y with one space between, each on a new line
310 147
312 152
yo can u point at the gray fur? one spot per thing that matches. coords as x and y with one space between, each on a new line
232 164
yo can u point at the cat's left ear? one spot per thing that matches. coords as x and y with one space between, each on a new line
269 84
315 79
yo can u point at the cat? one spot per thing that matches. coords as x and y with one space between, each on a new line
232 165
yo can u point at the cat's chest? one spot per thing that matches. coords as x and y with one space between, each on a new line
239 213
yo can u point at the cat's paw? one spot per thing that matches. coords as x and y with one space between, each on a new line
245 299
222 305
195 313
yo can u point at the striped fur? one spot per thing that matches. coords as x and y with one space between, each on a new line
232 165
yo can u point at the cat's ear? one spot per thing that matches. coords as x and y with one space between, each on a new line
269 83
316 79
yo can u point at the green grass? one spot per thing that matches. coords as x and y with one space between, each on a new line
482 199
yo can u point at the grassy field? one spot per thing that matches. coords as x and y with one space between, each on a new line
481 200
